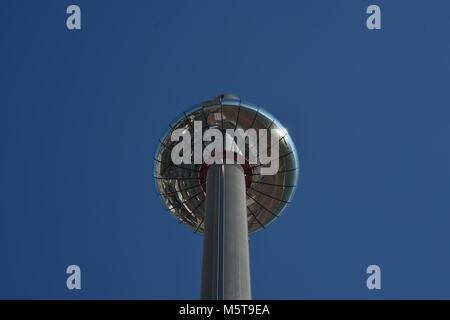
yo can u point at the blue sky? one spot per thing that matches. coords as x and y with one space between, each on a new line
81 113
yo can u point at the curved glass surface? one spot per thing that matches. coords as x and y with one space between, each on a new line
180 186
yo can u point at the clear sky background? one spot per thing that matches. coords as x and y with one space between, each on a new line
81 113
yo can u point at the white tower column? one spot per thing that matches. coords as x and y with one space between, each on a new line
226 267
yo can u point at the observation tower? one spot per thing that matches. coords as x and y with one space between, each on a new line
232 197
